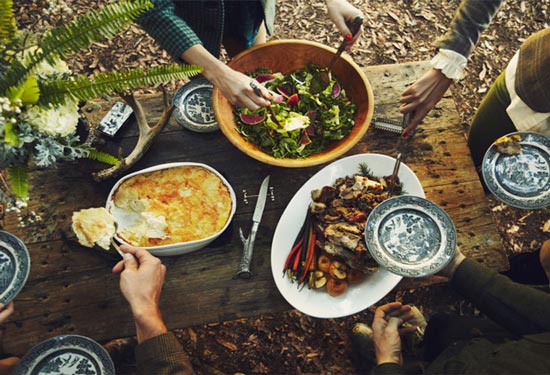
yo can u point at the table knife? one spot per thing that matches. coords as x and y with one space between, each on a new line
248 243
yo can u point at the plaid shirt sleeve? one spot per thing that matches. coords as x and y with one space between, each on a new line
170 31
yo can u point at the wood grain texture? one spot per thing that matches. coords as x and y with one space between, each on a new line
71 289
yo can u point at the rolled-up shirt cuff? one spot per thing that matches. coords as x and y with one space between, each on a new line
452 64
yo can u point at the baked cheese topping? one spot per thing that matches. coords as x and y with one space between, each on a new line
173 205
93 226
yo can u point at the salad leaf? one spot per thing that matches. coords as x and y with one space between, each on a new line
309 119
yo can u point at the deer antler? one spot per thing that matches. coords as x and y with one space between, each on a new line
146 136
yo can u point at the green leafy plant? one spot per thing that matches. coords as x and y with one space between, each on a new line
39 95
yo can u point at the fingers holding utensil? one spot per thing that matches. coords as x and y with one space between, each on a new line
256 88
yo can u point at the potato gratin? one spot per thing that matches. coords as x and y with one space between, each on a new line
173 205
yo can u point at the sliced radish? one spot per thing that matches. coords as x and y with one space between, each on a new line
292 100
261 78
336 90
251 119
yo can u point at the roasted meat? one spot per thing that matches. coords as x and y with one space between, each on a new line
340 213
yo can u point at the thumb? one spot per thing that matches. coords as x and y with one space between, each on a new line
394 323
130 262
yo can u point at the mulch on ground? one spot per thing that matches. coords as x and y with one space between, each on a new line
394 32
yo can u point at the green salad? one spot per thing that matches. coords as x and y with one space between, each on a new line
307 113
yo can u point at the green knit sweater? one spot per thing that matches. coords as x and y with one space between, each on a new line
521 309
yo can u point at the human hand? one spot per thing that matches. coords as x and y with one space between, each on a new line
455 261
238 89
422 96
141 279
6 311
235 86
387 329
342 14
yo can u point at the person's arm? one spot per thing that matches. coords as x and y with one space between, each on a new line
519 308
6 311
7 364
175 36
171 32
471 18
161 355
342 14
141 279
234 85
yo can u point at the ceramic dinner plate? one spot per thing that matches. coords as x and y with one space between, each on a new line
318 303
410 236
15 264
523 180
67 354
193 106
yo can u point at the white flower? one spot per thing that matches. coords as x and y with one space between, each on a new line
56 121
45 69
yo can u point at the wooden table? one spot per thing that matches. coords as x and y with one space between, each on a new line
71 289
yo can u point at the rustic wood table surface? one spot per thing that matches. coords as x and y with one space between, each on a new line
71 289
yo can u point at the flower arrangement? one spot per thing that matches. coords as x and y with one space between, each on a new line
39 95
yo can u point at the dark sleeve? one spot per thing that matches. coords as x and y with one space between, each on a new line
162 355
171 32
387 369
519 308
470 19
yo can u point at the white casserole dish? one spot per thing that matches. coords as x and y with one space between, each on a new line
123 219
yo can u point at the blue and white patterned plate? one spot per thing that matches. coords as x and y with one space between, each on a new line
15 264
523 180
67 354
410 236
193 106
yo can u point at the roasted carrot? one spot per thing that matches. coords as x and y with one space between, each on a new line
311 253
305 238
297 260
292 254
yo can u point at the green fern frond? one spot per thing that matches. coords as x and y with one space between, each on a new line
77 35
19 177
8 27
103 157
104 84
91 27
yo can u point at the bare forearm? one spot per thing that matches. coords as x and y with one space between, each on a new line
212 67
149 324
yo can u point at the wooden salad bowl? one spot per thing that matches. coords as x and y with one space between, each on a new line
286 56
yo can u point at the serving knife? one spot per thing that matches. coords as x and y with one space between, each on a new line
248 243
